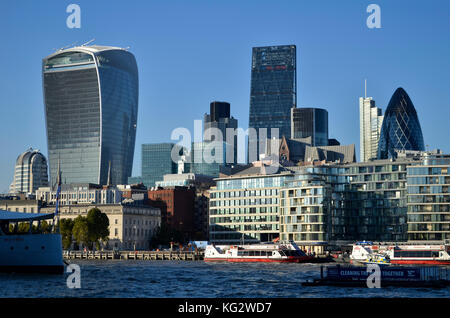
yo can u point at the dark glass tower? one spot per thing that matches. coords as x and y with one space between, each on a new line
401 128
156 162
91 104
273 89
312 122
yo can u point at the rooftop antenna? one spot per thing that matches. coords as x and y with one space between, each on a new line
70 45
365 88
88 42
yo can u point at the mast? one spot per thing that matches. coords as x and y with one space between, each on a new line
365 88
58 192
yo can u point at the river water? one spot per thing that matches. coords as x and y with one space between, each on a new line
107 278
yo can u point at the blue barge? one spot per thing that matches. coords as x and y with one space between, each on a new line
398 276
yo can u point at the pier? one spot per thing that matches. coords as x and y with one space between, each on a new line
135 255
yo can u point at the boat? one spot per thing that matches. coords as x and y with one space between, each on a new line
29 252
389 276
287 252
419 254
402 254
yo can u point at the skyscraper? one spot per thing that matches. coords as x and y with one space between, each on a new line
273 90
91 104
401 128
370 121
156 162
306 122
30 172
219 118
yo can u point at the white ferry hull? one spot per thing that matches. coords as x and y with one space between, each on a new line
261 253
36 253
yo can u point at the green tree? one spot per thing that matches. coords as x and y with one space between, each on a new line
98 223
45 227
66 230
165 234
80 230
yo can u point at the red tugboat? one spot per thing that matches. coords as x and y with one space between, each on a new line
270 252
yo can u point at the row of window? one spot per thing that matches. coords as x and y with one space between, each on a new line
268 209
242 193
258 201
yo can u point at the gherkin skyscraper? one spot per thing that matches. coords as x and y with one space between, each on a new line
401 128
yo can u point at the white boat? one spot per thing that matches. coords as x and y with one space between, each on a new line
365 253
419 254
29 252
402 254
270 252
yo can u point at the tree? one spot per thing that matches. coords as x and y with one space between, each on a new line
45 227
165 234
80 230
98 223
66 229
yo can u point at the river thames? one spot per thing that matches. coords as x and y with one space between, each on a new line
185 279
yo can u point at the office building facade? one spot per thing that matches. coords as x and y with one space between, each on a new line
207 157
30 172
370 121
219 119
312 122
177 208
273 91
91 105
156 162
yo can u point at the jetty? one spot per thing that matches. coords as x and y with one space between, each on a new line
135 255
397 276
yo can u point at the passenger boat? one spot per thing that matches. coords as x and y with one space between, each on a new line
419 254
406 254
29 252
270 252
33 251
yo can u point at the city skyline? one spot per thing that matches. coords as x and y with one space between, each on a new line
410 62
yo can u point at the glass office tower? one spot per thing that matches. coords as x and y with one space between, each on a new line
273 89
306 122
370 121
401 128
30 172
91 104
156 162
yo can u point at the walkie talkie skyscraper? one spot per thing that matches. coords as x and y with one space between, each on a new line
91 105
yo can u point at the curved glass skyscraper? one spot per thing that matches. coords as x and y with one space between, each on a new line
91 104
401 128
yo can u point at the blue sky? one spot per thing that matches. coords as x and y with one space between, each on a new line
190 53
